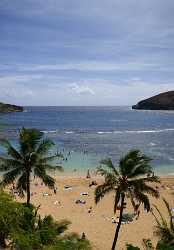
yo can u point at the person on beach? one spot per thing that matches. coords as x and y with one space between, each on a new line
89 210
88 176
138 214
83 236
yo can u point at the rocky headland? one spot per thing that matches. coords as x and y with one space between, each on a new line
10 108
163 101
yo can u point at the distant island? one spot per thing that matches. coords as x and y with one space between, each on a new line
163 101
10 108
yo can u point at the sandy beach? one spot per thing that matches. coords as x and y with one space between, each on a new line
96 222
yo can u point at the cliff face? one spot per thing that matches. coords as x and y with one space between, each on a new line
163 101
10 108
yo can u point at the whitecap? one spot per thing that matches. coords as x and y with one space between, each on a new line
144 131
104 132
49 131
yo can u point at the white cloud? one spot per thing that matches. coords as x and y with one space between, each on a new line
85 92
81 90
88 66
19 78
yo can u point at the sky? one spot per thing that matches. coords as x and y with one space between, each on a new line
85 52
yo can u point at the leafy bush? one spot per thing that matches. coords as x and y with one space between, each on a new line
9 217
162 246
26 230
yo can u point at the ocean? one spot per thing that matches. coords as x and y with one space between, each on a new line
86 135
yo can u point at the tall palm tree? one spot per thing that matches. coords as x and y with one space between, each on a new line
129 180
30 157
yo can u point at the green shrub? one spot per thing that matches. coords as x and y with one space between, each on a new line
24 229
164 246
131 247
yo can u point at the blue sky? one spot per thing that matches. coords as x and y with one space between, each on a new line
93 52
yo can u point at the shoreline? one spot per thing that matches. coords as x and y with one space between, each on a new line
83 173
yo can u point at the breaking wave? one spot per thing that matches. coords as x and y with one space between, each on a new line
136 131
111 132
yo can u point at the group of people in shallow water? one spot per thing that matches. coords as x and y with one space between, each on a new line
66 154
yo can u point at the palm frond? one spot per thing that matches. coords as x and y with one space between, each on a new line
47 180
108 163
48 158
21 184
140 170
109 176
142 198
29 139
163 221
140 185
8 164
62 226
152 191
102 171
156 219
151 179
44 146
162 229
10 149
133 160
170 214
10 176
130 195
101 190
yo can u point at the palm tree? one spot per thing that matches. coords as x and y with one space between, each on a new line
129 180
164 228
30 157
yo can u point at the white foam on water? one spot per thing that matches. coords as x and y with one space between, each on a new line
118 132
104 132
145 131
49 131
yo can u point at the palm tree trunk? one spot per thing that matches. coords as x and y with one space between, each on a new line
119 223
2 240
28 188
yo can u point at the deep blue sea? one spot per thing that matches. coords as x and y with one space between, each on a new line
88 134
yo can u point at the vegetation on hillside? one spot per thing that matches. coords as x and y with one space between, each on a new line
23 229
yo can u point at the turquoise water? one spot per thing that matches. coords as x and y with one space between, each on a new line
93 133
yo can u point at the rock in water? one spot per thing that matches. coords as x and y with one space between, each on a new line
163 101
10 108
